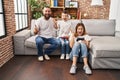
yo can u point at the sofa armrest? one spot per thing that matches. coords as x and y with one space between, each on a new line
117 34
19 40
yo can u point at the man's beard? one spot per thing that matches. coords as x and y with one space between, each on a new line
47 16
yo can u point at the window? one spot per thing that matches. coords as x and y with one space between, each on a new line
21 14
115 12
2 24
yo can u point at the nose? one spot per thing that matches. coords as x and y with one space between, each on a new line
47 12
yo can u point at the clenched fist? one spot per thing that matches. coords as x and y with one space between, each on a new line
36 30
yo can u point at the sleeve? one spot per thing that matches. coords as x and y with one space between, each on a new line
72 27
37 23
58 24
58 30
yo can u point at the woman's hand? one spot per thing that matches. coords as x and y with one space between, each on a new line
86 42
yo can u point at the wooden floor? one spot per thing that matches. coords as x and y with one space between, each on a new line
28 68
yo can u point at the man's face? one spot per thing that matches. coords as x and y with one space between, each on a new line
47 13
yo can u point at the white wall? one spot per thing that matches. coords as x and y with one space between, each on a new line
118 17
115 12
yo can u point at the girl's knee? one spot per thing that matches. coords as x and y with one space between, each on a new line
82 44
67 43
77 44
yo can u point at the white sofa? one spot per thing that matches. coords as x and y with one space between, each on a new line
104 46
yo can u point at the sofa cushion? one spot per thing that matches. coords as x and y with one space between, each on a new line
94 27
99 27
105 46
30 42
19 39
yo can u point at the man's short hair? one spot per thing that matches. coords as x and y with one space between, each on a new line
46 7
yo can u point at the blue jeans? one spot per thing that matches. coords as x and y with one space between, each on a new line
64 46
79 50
40 41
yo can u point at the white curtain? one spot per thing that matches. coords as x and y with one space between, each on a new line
115 12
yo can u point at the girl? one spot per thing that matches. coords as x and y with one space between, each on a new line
64 31
79 42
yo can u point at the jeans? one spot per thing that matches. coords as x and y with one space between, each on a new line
64 46
79 50
40 41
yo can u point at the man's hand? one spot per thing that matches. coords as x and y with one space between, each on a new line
36 30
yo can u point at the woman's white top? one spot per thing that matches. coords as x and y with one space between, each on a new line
86 37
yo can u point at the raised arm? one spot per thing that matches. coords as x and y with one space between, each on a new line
36 30
71 39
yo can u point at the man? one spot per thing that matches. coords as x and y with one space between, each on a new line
45 29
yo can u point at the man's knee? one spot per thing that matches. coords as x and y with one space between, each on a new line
39 40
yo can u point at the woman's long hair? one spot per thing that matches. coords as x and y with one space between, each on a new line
84 30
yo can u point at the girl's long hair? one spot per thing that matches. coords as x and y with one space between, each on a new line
83 26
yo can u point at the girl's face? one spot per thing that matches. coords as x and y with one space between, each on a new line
64 16
80 30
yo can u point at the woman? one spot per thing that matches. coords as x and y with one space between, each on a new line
79 42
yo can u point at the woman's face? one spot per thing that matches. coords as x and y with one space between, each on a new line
80 30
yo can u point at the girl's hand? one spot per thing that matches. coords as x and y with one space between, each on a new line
80 41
